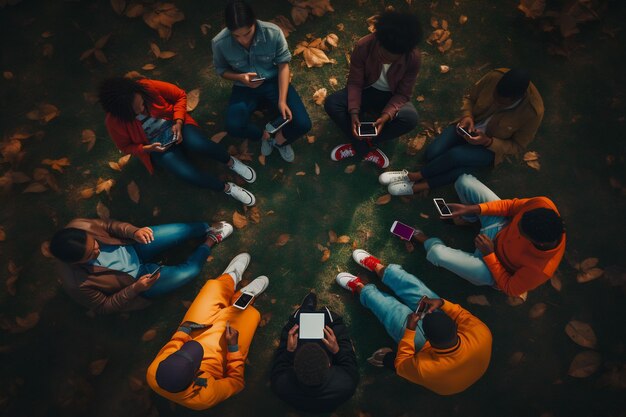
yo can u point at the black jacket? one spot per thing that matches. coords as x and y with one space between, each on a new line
340 383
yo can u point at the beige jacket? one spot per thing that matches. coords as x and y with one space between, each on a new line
512 130
101 289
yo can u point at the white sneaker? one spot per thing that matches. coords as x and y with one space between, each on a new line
220 231
241 194
365 259
267 146
243 170
347 280
286 152
401 188
257 286
237 267
390 177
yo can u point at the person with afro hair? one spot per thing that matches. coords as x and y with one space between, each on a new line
520 244
383 71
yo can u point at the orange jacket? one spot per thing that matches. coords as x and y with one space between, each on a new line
168 102
448 371
517 265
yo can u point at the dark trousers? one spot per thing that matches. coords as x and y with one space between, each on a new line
372 101
450 155
244 101
194 142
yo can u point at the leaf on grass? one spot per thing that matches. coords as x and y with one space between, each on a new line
333 81
319 96
299 15
383 199
300 173
88 136
589 275
315 57
350 169
45 249
415 144
325 255
310 138
537 310
104 185
10 283
48 50
585 364
87 54
343 239
556 283
149 335
317 169
134 10
516 358
97 367
282 239
444 69
531 156
57 164
532 8
424 216
35 187
133 192
480 300
462 19
27 322
167 54
101 43
161 17
332 236
43 113
332 40
255 215
239 220
118 6
148 67
205 28
103 211
265 319
135 384
587 264
155 49
86 193
8 75
193 98
262 159
581 333
284 24
217 138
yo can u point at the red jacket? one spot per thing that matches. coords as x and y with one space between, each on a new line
168 102
365 68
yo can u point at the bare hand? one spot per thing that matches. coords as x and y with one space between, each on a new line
380 122
330 340
355 125
145 282
484 244
247 77
144 235
478 138
466 123
433 304
411 320
177 130
154 147
459 210
232 335
284 110
292 338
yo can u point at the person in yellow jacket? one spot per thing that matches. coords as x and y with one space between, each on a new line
202 365
451 350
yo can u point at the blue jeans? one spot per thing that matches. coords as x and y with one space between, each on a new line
391 312
167 237
194 142
468 265
244 101
450 156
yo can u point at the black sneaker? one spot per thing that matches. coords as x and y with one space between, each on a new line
309 303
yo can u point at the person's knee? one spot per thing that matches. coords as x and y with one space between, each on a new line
463 182
437 254
409 117
303 124
235 125
335 103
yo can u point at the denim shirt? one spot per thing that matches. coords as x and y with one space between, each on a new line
268 49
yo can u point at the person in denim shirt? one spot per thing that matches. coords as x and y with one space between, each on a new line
249 49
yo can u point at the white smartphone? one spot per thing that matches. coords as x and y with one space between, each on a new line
275 125
257 79
465 132
311 326
244 300
402 230
367 129
422 307
442 207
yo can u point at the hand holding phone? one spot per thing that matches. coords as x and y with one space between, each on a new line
401 230
275 125
367 129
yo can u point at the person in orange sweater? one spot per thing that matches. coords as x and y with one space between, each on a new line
451 350
202 365
520 244
149 119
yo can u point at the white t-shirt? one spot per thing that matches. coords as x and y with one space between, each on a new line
382 84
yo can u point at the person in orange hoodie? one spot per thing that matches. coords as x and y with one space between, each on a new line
520 244
148 119
202 365
451 350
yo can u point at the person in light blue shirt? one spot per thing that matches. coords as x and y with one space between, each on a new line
255 56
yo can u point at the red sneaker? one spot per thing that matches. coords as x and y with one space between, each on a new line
342 152
378 157
365 259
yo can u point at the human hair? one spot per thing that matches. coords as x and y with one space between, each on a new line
399 33
542 225
311 364
513 83
68 244
439 329
116 97
238 14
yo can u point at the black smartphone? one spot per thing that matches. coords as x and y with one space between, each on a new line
422 307
442 207
367 129
170 143
156 271
244 300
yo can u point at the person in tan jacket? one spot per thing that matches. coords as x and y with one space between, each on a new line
108 266
500 116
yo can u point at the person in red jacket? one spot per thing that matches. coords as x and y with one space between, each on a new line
520 244
149 119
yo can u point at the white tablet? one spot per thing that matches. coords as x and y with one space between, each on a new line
311 326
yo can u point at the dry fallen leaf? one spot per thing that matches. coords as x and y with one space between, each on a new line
88 136
537 310
35 187
516 358
585 364
26 323
133 192
415 144
444 69
97 367
333 81
104 185
43 113
300 173
86 193
325 255
255 215
57 164
282 239
45 249
556 283
149 335
284 24
8 75
589 275
317 169
532 8
581 333
310 138
343 239
103 211
193 98
350 169
480 300
118 6
587 264
148 67
239 220
262 159
332 236
161 17
462 19
217 138
299 15
515 301
384 199
265 319
320 96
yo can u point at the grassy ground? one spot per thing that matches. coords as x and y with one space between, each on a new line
45 370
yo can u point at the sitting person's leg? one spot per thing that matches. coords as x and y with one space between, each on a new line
214 296
300 122
402 123
168 236
245 322
471 191
447 139
243 101
450 161
177 163
407 287
336 106
389 311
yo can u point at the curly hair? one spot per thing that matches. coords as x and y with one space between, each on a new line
397 32
542 225
68 245
311 364
116 96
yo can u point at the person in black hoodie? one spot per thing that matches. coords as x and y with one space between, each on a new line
315 375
